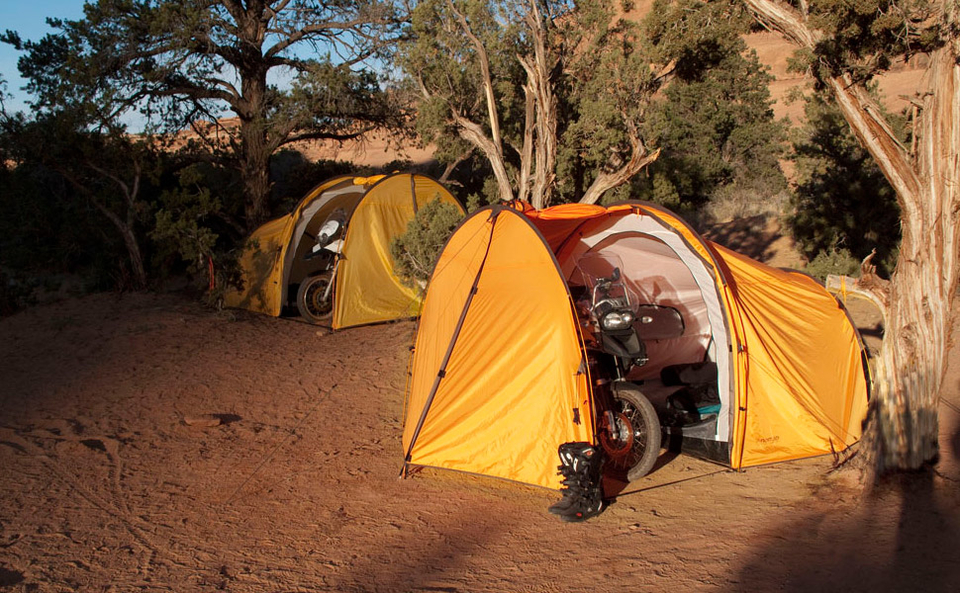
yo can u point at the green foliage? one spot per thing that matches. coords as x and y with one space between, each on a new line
842 200
92 187
681 81
612 79
865 37
416 251
439 57
295 175
14 294
833 261
173 63
716 125
600 78
475 202
190 225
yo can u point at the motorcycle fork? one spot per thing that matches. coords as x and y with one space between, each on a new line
333 278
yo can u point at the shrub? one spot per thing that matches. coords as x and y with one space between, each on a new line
416 251
833 261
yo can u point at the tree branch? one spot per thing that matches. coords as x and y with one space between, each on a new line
605 181
445 178
858 108
473 133
487 79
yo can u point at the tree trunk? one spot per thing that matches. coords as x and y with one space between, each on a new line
136 259
255 175
125 228
255 148
902 429
539 83
492 147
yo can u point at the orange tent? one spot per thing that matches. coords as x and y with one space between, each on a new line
499 378
367 290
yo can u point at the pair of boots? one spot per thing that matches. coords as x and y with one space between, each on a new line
581 465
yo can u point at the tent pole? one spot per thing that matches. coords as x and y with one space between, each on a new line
453 341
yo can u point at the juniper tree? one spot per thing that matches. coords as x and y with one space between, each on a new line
844 45
181 62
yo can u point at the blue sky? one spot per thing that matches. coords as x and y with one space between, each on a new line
28 17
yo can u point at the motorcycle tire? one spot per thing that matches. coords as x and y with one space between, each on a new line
310 301
640 417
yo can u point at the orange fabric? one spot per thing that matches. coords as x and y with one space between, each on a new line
504 404
802 382
513 380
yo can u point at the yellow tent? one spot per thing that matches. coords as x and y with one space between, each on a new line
366 289
499 378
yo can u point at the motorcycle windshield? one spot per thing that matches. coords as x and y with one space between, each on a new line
599 285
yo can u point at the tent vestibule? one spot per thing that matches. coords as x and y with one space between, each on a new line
376 210
499 372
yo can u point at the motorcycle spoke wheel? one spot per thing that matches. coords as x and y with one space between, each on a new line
634 443
310 302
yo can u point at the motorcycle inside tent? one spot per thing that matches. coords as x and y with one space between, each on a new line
366 290
500 376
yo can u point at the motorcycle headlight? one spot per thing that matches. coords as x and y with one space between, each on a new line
617 320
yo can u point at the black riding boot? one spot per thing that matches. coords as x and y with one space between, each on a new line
571 481
581 465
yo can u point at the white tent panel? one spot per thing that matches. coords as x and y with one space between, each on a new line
662 268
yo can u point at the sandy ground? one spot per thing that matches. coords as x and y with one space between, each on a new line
150 444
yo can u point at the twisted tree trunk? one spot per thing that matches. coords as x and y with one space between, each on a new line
917 301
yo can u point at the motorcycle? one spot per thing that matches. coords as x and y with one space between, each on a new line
616 326
315 295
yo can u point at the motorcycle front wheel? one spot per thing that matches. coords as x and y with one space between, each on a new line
310 299
632 442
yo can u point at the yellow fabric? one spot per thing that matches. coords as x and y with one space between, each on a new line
801 376
367 290
262 261
513 379
367 180
261 267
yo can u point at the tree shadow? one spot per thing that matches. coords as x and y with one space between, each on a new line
955 444
745 235
903 537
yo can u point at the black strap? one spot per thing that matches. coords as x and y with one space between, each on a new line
413 193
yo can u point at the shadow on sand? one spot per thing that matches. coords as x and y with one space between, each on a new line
747 235
903 537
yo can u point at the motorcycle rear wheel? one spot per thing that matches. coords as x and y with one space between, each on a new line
310 302
633 446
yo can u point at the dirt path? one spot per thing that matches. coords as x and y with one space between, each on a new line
106 488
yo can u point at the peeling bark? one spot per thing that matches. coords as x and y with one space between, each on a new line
902 428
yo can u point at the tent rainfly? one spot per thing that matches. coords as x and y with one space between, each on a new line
498 374
366 289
